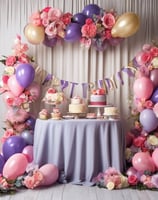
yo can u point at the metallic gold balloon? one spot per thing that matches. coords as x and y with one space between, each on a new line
34 34
126 25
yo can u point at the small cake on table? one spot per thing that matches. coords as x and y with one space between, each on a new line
111 111
77 105
53 97
56 114
98 97
91 116
43 114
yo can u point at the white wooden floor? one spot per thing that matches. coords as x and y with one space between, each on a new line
76 192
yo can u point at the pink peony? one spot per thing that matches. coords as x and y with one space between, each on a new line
89 30
66 18
10 61
54 14
108 20
55 29
35 19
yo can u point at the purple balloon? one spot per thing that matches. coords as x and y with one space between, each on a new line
80 18
30 122
154 77
25 74
50 42
12 145
2 162
28 137
154 97
73 32
148 120
91 9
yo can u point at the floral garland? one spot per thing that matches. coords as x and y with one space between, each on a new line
92 27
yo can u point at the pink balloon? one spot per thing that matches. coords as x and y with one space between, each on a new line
143 88
15 166
131 171
142 161
50 173
28 152
14 86
34 89
155 157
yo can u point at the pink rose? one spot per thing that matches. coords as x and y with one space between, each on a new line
139 141
132 180
55 29
108 34
154 51
35 19
66 18
89 30
143 57
54 14
10 61
108 20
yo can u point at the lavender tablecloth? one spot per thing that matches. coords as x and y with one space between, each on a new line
81 148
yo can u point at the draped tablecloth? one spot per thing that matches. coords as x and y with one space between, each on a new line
80 148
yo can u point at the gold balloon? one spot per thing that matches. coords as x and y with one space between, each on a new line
126 25
34 34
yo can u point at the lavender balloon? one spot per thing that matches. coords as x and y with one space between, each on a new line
12 145
50 42
25 74
2 162
154 97
148 120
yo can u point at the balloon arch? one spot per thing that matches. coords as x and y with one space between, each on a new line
19 91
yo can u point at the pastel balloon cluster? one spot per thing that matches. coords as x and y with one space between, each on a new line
146 89
68 27
17 153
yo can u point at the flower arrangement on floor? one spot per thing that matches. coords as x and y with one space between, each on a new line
142 140
92 27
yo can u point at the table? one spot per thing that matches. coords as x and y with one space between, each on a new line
81 148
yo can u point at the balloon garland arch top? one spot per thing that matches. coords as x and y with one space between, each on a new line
92 27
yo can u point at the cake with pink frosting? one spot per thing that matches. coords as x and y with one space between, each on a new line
52 96
98 97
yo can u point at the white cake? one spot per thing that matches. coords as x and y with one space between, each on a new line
98 97
110 111
76 105
53 97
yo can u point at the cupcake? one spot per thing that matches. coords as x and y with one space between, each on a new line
43 114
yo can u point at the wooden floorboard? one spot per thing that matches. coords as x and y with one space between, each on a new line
76 192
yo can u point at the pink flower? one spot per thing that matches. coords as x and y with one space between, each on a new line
108 20
108 34
139 141
146 47
33 181
154 51
66 18
132 180
8 133
10 61
143 57
146 180
55 29
86 42
148 104
54 14
89 29
35 19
